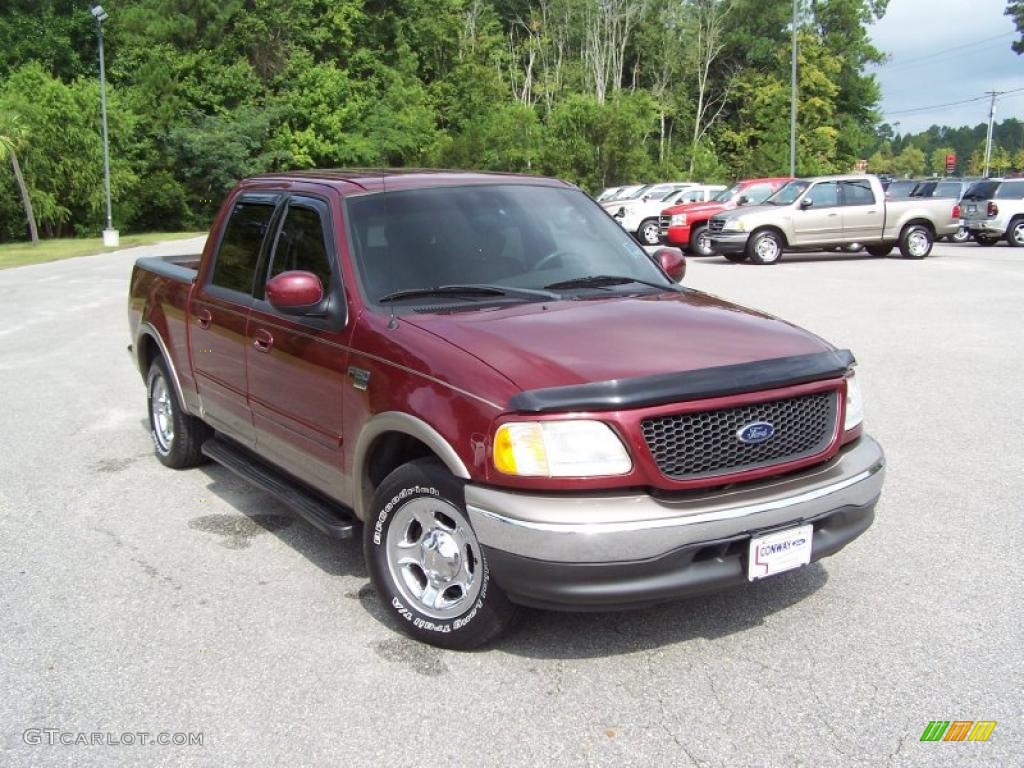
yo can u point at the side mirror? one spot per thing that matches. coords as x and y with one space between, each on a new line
646 198
295 292
806 203
672 262
744 200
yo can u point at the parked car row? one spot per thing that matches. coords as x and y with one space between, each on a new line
640 215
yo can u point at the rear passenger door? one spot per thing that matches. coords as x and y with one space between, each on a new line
863 215
298 364
219 313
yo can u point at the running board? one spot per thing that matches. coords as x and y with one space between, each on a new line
335 521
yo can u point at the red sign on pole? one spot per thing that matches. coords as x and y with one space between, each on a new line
950 163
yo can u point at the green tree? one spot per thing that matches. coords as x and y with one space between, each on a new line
1015 10
909 162
937 163
12 138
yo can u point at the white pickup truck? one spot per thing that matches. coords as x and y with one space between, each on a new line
829 212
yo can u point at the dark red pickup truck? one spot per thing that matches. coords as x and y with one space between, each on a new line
520 405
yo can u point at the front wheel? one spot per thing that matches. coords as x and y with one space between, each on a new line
764 247
649 232
177 437
700 242
426 563
916 241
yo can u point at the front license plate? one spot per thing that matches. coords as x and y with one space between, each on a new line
779 551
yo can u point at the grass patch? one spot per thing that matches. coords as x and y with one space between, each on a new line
20 254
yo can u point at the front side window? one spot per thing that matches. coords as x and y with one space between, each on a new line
239 252
824 195
858 193
301 245
517 236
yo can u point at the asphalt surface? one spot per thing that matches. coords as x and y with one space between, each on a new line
138 599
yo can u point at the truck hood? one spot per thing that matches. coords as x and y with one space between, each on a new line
560 343
699 209
761 211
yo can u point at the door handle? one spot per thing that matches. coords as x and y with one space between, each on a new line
262 340
204 318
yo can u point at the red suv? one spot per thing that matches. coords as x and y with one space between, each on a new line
685 226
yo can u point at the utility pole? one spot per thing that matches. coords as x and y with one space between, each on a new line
110 235
792 106
988 137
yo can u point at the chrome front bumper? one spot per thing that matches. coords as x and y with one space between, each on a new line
628 527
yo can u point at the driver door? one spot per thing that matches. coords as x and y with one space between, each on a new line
818 217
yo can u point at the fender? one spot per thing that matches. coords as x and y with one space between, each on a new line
146 329
396 421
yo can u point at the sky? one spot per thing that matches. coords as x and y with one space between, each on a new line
943 51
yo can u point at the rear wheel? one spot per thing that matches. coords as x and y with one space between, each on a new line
962 235
1016 237
764 247
426 563
648 232
985 240
880 250
177 437
700 242
916 241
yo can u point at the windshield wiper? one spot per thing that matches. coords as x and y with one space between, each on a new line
466 292
603 281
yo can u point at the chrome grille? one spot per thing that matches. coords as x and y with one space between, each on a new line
690 446
716 225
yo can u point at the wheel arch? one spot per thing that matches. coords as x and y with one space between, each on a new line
915 221
149 346
771 228
389 440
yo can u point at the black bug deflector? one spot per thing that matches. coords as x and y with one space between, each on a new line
666 388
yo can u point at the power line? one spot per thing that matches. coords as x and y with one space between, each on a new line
898 65
913 110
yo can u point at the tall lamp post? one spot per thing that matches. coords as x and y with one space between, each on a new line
110 235
793 99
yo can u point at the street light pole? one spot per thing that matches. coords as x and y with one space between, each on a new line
792 107
110 235
988 135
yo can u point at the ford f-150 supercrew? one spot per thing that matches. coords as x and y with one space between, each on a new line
827 212
505 393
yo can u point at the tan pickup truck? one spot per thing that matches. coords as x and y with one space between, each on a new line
829 212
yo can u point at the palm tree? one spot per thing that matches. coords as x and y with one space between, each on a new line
12 138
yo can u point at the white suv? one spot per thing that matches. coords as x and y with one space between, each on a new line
993 210
640 217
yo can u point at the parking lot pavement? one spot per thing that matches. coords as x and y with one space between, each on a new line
138 599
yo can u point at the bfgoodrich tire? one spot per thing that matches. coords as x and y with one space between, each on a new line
177 437
916 241
426 563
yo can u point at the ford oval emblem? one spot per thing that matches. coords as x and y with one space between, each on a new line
755 433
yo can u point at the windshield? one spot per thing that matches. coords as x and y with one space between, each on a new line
635 193
727 195
668 196
789 194
515 236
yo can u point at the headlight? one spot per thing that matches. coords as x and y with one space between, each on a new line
739 225
854 404
559 449
678 220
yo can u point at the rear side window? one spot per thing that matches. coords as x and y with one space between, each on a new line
301 245
235 266
1010 190
858 193
947 189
